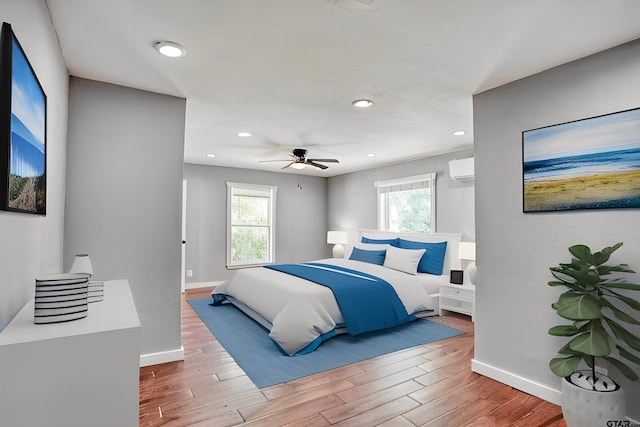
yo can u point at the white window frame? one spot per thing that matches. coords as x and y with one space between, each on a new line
271 249
427 180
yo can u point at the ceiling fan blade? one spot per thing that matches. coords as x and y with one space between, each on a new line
284 167
315 165
324 160
299 156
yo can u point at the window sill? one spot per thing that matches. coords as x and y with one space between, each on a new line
238 266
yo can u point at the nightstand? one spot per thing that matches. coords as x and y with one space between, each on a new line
458 298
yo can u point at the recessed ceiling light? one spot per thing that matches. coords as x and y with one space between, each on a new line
371 154
210 155
243 134
459 133
362 103
170 49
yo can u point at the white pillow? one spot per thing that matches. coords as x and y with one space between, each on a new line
405 260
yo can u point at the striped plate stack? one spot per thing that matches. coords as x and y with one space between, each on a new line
96 291
61 297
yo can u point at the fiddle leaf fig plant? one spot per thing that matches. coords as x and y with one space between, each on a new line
595 306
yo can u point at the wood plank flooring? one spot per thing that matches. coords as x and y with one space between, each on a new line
431 385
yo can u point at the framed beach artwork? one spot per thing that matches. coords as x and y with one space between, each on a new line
23 111
591 163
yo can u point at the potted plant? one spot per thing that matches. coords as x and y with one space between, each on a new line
594 304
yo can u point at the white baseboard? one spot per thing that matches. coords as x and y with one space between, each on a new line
516 381
197 285
162 357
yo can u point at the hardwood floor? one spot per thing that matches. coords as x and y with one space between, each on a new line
431 385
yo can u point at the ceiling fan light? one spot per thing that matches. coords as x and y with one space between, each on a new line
362 103
298 165
170 49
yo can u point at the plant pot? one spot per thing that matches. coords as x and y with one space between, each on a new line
588 408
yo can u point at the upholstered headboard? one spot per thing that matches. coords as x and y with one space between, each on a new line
451 260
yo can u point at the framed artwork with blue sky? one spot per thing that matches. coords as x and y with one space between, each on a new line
23 111
591 163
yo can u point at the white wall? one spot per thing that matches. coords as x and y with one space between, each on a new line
301 218
124 197
352 197
31 244
515 250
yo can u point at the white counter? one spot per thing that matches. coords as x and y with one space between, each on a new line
79 373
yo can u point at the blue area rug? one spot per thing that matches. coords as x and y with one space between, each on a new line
266 364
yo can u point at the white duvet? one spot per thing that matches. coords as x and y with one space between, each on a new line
300 311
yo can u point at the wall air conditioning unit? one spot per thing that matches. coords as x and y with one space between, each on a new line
461 169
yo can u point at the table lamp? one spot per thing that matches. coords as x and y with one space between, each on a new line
81 264
339 239
467 251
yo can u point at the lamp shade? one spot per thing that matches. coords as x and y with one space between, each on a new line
337 237
467 250
82 264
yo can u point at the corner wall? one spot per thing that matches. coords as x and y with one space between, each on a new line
515 250
32 244
124 194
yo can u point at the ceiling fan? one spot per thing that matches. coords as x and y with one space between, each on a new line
299 160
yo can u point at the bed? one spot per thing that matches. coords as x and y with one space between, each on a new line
300 313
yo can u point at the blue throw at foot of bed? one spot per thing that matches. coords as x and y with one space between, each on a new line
368 303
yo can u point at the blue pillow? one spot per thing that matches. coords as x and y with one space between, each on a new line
372 257
393 242
433 259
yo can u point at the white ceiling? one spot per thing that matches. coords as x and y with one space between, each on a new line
287 70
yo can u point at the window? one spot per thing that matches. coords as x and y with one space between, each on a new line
250 224
407 205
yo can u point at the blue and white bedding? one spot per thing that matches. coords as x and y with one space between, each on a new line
367 302
301 314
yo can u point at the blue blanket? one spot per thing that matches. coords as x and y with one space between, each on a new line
368 303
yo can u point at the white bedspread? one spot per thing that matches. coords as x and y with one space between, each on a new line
300 311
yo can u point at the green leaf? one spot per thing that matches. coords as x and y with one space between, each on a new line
629 301
589 291
563 331
620 315
626 336
628 355
581 324
603 256
608 269
582 252
556 283
564 366
582 276
563 275
574 306
589 360
568 352
629 286
622 367
595 342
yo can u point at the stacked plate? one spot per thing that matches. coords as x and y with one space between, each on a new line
96 291
61 297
